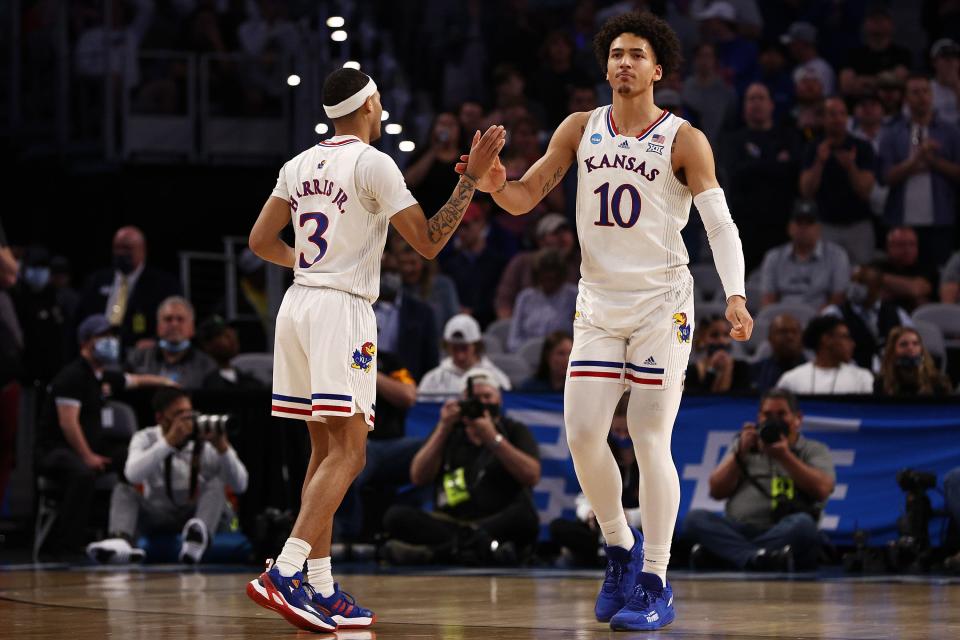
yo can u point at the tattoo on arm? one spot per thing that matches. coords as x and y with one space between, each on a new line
552 181
443 224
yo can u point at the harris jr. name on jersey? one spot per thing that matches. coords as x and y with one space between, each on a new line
318 187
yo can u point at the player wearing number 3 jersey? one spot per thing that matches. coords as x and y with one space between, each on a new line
340 196
639 167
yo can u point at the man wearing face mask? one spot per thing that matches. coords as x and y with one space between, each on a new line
713 369
129 292
869 318
775 482
174 355
75 443
482 466
405 326
43 319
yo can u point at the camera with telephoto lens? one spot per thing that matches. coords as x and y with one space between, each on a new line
207 424
772 430
471 407
912 550
912 481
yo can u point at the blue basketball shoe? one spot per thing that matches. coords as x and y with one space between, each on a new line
649 608
622 569
288 597
343 608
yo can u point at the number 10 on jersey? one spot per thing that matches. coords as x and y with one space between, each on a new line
612 205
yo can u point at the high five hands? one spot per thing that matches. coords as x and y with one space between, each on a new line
494 176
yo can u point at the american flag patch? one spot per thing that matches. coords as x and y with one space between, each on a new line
657 138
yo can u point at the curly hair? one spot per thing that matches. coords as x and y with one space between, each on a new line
666 45
927 381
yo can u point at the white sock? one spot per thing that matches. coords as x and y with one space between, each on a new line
291 559
320 575
656 557
616 533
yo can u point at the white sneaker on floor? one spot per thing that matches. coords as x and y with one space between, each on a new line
195 540
114 551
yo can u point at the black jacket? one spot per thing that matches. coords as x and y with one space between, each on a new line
140 319
418 342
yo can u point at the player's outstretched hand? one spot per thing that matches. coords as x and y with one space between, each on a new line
740 318
493 177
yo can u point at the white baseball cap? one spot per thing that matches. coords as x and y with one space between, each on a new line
722 10
462 329
479 375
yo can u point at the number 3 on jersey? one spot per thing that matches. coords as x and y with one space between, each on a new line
316 237
608 204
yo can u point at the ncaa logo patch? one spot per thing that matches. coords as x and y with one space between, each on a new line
363 356
596 138
683 327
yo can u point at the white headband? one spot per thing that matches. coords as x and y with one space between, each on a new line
352 103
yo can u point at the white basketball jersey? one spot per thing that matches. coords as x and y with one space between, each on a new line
341 226
630 210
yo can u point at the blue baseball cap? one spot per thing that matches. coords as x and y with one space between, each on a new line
91 326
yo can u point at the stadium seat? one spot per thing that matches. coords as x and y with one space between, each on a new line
50 492
530 351
946 316
258 365
933 341
516 368
496 334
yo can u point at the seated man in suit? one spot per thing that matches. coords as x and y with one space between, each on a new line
130 291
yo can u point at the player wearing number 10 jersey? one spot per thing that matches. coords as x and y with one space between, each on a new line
340 196
639 167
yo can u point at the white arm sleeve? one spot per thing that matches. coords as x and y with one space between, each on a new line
724 240
381 185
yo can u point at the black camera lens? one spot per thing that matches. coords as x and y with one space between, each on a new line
471 408
772 430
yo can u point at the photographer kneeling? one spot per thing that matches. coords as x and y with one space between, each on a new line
483 466
183 482
775 482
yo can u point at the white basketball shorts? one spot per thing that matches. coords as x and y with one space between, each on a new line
325 355
645 346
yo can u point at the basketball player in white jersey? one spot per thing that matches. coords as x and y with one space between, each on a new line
340 196
639 167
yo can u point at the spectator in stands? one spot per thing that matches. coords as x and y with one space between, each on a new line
581 97
9 268
511 102
47 332
482 469
760 164
950 280
786 352
807 113
429 173
471 119
945 54
130 292
905 280
877 54
713 369
830 372
671 101
389 452
405 325
775 490
867 121
890 91
557 72
61 279
552 232
219 340
174 355
920 160
474 265
838 174
581 537
951 502
775 74
869 318
11 351
268 30
423 281
546 306
737 55
463 343
551 373
808 269
801 38
183 480
908 368
713 101
75 444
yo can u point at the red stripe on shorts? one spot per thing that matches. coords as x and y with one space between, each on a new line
299 412
650 381
594 374
332 407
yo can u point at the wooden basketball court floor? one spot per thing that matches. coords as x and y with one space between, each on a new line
81 604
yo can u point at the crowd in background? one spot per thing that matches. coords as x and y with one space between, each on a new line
838 149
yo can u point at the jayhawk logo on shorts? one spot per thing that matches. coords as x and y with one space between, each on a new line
363 356
683 328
